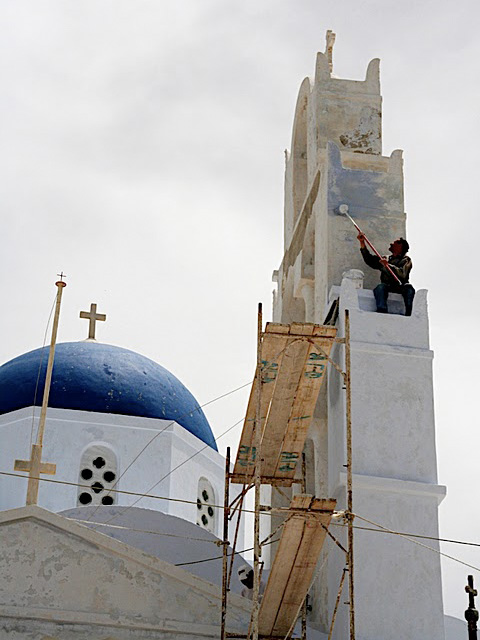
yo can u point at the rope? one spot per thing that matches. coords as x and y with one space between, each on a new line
121 491
380 529
411 535
183 564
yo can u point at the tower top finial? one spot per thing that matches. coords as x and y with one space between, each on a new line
330 38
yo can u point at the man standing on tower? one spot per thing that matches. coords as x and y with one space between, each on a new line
400 264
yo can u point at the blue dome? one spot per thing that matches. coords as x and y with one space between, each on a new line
88 376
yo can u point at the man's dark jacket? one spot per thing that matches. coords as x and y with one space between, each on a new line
400 265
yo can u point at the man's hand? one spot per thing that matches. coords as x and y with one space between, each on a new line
361 239
384 262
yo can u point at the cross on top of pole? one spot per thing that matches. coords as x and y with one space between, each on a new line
61 283
93 317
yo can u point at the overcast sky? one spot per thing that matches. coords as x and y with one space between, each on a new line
142 154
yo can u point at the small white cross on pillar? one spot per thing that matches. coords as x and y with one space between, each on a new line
93 316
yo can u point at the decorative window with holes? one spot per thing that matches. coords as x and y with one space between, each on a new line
98 470
206 513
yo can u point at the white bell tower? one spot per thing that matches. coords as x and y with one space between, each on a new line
336 158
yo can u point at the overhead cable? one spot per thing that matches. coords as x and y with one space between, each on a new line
224 395
420 544
156 533
175 468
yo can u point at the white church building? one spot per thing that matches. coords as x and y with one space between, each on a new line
111 551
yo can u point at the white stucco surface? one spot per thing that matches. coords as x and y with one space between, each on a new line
336 159
174 458
63 580
164 536
455 629
395 480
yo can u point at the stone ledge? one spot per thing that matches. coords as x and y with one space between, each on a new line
395 350
89 619
395 485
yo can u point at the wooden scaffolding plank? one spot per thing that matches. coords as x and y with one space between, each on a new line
294 565
279 576
288 380
273 349
293 372
302 411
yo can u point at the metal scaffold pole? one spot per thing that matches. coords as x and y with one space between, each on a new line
304 605
257 481
349 513
226 513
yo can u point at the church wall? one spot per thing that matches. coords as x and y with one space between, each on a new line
70 433
68 582
15 438
184 484
385 378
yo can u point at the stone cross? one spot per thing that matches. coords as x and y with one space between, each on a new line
471 614
329 48
93 316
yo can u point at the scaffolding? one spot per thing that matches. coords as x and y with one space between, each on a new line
291 366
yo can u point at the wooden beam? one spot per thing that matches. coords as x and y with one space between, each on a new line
294 359
288 380
302 411
294 565
272 357
34 467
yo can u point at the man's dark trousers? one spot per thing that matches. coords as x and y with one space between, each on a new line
382 290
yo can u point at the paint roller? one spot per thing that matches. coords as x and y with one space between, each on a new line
343 210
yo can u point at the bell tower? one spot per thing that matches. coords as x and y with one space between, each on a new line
336 158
